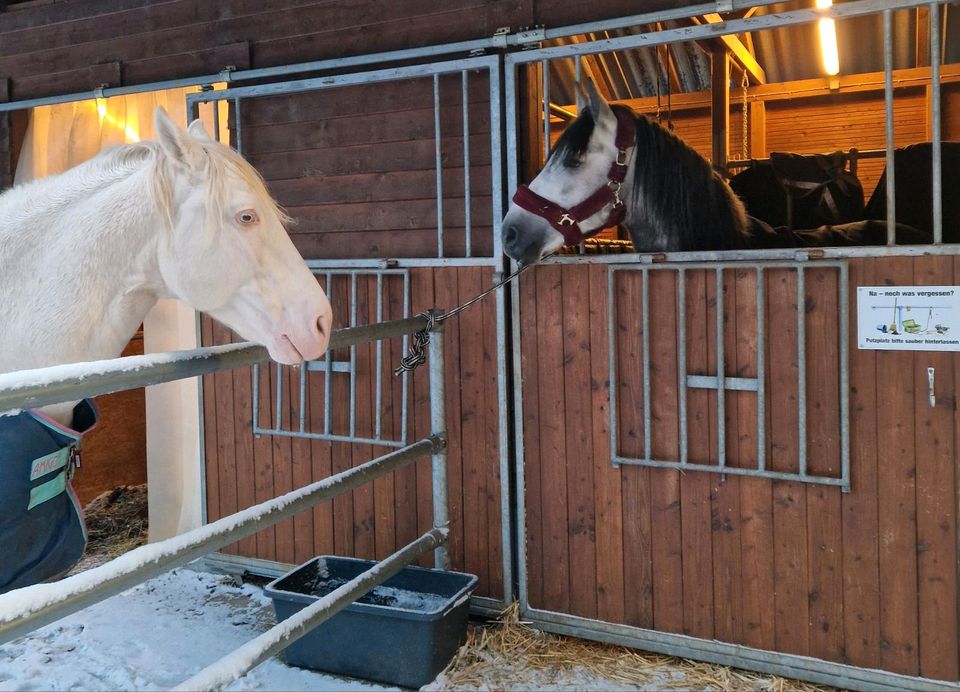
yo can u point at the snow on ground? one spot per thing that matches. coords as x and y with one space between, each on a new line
154 637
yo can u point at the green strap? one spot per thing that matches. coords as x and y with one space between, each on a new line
48 491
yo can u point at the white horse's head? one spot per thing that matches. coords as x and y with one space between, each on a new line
225 250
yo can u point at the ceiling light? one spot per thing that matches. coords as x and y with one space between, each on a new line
828 40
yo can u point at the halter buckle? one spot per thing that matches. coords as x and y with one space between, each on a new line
567 220
621 157
615 186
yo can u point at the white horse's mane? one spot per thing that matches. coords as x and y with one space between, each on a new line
118 163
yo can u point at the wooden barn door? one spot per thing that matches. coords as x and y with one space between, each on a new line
660 500
391 177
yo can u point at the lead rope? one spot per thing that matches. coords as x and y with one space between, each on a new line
417 353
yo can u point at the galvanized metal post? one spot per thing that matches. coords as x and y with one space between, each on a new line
936 124
888 110
438 424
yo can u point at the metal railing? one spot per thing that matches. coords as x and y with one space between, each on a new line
328 369
720 382
26 609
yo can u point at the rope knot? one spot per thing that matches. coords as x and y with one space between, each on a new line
417 353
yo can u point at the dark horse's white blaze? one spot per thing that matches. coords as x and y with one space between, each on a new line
674 200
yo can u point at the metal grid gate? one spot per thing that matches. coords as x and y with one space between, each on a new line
721 384
321 375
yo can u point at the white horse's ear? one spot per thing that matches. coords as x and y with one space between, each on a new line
197 131
174 141
598 105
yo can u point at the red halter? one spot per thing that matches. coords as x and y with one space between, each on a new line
567 221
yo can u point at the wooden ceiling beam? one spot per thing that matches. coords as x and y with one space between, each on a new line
739 52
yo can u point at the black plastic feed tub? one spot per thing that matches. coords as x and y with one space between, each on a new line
403 632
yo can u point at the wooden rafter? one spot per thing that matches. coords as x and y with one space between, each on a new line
739 52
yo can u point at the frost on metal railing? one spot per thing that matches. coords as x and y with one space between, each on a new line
735 368
23 610
371 404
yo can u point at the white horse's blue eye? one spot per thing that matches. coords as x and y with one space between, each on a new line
247 217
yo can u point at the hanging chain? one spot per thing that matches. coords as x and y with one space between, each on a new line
417 353
745 144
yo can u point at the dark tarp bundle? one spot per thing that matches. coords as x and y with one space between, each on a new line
914 184
42 532
801 191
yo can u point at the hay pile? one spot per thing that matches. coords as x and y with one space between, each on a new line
508 654
117 521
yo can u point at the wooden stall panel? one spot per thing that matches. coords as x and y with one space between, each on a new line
374 520
356 166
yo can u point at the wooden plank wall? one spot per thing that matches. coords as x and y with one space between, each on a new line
356 167
373 521
866 578
63 47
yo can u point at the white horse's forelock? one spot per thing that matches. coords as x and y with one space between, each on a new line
219 160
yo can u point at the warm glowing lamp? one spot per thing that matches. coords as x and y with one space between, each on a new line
828 40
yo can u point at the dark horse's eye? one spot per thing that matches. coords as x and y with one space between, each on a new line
572 162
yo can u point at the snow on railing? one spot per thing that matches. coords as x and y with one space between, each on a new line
23 610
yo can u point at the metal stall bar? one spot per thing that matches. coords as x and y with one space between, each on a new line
645 346
378 417
353 357
23 610
405 347
439 161
935 123
545 79
761 371
242 660
327 379
238 145
888 108
45 386
682 362
801 372
721 376
303 396
438 415
466 164
612 362
844 376
278 409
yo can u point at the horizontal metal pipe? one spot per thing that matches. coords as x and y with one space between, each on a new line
706 31
860 154
788 254
44 386
844 483
24 610
240 661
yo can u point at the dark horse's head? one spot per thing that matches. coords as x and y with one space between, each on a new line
668 195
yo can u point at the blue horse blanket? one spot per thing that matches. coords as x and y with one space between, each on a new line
42 531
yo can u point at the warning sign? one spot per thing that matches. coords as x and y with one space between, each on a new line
908 318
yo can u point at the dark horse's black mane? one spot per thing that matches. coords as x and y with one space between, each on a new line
679 201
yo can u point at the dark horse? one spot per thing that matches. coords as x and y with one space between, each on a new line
611 167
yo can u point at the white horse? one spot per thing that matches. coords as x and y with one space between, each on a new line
84 255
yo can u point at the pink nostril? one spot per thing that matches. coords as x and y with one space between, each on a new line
322 325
